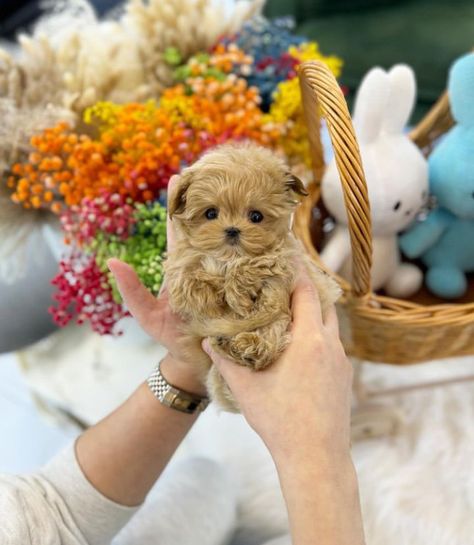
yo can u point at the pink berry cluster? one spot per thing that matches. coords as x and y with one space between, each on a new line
110 213
83 291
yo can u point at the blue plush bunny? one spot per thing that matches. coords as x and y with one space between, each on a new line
445 240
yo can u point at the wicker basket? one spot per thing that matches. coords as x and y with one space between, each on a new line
380 328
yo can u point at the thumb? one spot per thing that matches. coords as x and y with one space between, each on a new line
234 374
216 358
139 301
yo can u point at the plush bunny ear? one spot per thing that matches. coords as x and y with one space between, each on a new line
461 89
370 104
177 199
401 99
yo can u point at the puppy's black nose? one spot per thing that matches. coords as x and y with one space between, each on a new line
232 232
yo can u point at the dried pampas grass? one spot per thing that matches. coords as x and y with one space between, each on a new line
102 62
77 63
189 26
73 60
98 60
32 78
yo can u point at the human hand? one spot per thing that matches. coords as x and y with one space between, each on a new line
304 396
155 316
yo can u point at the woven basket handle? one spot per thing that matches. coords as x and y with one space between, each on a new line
321 93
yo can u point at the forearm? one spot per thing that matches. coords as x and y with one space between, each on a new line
322 498
124 454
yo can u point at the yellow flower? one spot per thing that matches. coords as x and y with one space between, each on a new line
309 51
286 111
286 101
104 112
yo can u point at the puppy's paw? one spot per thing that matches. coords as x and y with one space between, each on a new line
220 345
202 294
247 349
256 349
241 299
252 350
243 286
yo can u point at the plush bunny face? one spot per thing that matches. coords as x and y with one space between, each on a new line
396 171
399 188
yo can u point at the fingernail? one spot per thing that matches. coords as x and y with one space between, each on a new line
162 289
205 346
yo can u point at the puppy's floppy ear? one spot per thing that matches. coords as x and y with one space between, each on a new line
177 198
295 184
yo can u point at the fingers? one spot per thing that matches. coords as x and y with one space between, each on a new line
170 236
305 305
331 321
139 301
235 375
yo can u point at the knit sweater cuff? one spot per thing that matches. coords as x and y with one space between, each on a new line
98 517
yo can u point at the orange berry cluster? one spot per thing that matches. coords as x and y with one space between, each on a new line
41 180
138 147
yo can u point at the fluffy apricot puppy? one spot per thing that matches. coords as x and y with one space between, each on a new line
234 267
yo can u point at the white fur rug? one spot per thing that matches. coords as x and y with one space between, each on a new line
417 487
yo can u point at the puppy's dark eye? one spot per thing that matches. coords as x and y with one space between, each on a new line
397 205
211 213
255 216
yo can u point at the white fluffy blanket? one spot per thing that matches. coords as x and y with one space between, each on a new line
417 487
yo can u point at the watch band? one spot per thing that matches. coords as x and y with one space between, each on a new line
173 397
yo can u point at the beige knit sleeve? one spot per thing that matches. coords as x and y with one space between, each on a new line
57 506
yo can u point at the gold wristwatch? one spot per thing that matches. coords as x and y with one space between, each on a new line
173 397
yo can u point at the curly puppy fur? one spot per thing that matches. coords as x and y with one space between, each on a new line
231 277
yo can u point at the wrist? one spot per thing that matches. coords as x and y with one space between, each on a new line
181 376
303 443
322 465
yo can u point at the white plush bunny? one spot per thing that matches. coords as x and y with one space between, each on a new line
397 180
